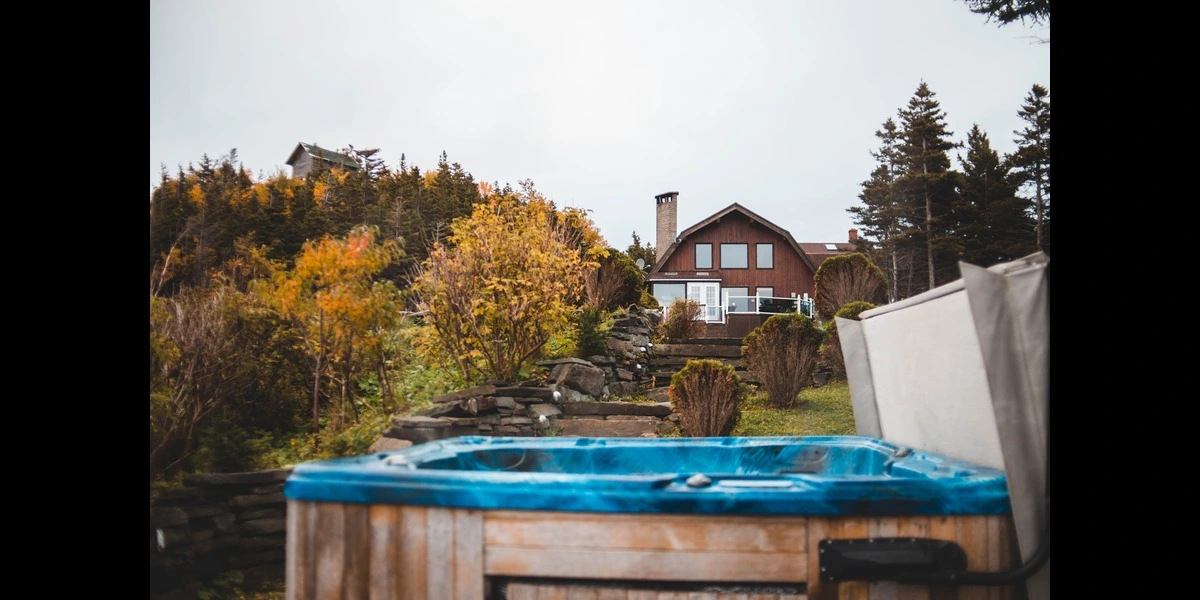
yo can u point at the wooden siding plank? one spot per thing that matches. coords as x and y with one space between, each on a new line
995 526
468 553
878 527
356 556
1000 547
385 552
819 528
645 564
551 592
330 549
916 527
299 567
973 537
526 591
439 547
686 533
412 553
521 591
943 527
853 528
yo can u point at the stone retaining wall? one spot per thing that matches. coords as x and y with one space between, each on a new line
526 412
218 523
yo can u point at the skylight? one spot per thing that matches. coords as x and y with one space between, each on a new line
831 246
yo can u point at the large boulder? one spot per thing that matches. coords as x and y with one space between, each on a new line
622 389
586 378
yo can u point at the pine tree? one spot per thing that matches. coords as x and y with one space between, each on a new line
995 223
1031 161
881 214
1008 11
637 250
929 183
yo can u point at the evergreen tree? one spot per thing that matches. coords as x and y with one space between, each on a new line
995 223
645 252
929 183
880 216
1008 11
1031 161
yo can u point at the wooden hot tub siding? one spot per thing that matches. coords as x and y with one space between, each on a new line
351 551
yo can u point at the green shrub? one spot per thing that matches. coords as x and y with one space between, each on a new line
616 282
783 353
225 446
831 350
357 438
591 333
647 300
706 394
846 278
681 323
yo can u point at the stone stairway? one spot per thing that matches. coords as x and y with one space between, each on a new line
668 359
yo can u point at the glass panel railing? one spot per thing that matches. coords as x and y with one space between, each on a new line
761 304
776 305
739 304
806 307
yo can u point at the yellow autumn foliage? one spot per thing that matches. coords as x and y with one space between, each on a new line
506 281
332 297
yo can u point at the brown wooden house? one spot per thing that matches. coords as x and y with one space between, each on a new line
307 158
739 266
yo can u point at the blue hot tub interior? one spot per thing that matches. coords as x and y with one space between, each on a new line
783 475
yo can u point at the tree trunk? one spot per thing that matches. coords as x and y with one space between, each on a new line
928 214
1038 187
316 412
895 287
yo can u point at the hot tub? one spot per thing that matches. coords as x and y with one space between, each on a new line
486 517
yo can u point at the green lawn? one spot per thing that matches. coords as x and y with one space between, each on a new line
819 411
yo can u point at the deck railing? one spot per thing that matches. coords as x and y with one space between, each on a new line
770 305
755 305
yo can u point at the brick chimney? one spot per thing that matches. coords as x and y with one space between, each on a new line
666 220
853 235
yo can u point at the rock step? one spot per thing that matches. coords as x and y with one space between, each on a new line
713 341
663 377
698 350
679 361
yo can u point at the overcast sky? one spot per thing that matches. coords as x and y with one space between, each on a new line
772 104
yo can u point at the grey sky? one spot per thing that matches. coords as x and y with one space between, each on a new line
771 104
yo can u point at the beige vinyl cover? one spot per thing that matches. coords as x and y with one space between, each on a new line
963 370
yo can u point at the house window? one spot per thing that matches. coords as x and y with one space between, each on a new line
766 292
736 300
764 256
733 256
666 293
703 256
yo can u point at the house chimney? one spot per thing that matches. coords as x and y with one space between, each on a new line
666 220
853 235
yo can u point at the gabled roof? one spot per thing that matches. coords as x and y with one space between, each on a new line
318 152
716 217
818 252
